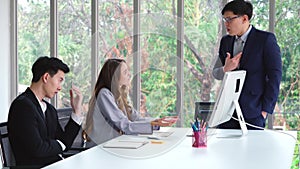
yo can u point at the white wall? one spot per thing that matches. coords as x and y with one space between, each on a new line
5 59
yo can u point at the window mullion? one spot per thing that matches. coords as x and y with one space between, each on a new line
180 65
136 56
53 36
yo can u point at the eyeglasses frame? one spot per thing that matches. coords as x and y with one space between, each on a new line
229 20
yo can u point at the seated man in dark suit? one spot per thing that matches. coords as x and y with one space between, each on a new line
36 137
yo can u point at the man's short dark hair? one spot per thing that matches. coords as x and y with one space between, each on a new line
49 65
239 7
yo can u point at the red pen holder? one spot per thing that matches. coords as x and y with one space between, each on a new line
199 139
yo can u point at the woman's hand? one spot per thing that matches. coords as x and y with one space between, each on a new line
165 121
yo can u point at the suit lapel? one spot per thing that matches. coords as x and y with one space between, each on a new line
35 102
247 48
48 122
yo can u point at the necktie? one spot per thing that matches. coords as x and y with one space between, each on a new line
238 46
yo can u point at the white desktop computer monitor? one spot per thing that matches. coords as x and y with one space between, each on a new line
227 100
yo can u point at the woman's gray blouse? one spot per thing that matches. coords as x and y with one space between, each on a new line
108 120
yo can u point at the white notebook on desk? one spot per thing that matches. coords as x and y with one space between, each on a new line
157 135
127 144
162 133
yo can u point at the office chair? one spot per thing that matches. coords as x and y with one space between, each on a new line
79 143
7 156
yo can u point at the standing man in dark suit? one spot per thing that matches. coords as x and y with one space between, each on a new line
35 134
257 52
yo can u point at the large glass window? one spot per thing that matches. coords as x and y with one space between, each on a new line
115 30
115 24
202 33
74 47
158 40
287 30
33 37
260 18
158 57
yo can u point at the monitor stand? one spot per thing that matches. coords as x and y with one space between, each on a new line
241 118
241 121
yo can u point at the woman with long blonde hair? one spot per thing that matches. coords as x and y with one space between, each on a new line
110 113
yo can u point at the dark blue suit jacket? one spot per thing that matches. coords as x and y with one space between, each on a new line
33 136
261 58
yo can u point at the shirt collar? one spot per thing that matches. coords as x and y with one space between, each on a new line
42 104
245 35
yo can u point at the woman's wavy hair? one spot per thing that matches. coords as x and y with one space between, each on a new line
109 78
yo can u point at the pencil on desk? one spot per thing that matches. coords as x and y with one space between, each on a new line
157 142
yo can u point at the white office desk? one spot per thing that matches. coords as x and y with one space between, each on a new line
257 150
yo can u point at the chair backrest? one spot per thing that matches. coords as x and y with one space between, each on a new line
63 118
7 156
79 143
64 115
203 110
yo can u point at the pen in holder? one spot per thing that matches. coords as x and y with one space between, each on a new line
199 139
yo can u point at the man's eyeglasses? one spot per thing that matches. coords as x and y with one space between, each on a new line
228 20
